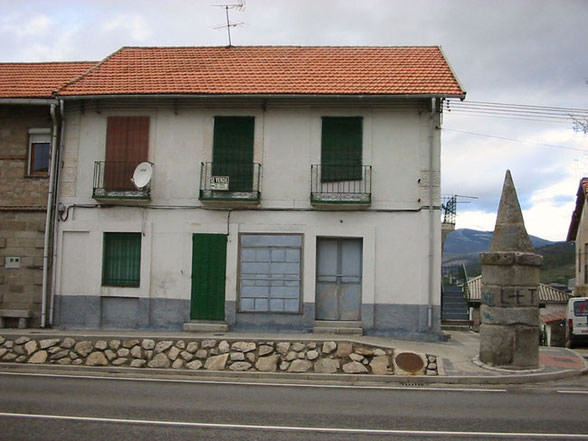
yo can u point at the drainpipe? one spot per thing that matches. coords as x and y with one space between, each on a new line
55 214
48 234
431 214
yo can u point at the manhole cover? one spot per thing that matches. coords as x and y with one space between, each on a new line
409 362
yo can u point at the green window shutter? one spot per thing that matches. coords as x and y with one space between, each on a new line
341 148
209 255
121 259
232 153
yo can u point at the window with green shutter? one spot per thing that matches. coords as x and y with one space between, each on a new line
232 153
121 259
341 148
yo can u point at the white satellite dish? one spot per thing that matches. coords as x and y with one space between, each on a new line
142 175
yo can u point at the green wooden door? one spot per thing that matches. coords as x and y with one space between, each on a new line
209 253
232 153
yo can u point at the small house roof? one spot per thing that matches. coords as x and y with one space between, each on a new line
547 294
275 70
38 80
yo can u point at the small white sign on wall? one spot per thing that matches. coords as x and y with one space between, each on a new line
219 182
12 262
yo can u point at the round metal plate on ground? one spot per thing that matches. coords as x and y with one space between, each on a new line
409 362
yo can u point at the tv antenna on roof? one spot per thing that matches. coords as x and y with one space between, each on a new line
239 5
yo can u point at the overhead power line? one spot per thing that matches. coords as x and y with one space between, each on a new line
517 111
515 140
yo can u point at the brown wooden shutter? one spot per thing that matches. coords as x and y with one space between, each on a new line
127 145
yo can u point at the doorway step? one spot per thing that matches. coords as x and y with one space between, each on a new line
206 326
341 327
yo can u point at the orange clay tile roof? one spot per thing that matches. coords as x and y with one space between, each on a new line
270 70
38 80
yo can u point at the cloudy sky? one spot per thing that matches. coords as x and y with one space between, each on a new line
531 53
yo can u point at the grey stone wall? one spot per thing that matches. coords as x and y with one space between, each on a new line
16 188
327 357
23 201
22 235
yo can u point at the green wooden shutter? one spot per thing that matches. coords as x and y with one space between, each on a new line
341 148
233 150
121 259
209 255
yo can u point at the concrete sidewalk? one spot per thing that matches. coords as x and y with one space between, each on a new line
455 357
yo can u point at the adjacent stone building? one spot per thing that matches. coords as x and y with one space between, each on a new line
578 233
27 129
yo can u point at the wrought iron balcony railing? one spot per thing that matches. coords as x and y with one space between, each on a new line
230 182
341 184
113 180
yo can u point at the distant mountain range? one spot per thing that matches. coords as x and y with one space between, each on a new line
465 241
464 246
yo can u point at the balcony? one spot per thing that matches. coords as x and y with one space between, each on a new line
113 181
227 183
341 185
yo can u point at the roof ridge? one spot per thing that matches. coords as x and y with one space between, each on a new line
92 69
284 46
36 63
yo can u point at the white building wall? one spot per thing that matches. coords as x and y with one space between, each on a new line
395 228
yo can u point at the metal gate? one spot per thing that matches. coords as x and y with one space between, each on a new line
338 279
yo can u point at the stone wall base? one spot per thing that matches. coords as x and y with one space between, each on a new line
326 357
509 346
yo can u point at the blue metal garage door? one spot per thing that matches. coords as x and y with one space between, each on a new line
269 273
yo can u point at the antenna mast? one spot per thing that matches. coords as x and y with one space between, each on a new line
239 6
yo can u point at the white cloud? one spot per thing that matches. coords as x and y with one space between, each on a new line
475 219
21 26
133 25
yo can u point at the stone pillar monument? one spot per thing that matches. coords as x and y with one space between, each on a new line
509 331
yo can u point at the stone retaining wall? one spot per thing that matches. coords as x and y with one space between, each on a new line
211 354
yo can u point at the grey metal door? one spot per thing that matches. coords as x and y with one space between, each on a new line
338 279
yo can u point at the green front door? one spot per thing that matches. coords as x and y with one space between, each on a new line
209 254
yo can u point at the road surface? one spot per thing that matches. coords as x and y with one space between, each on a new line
103 407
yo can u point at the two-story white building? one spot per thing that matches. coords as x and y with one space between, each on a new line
275 188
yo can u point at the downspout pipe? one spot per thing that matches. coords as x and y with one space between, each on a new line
48 232
55 214
431 214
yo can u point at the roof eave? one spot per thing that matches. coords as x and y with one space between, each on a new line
259 95
29 101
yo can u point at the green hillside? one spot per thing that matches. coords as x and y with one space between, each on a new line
558 262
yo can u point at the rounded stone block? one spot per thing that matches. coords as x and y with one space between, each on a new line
512 347
528 316
516 275
526 355
497 344
515 296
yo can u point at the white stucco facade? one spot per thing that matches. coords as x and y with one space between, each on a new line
400 236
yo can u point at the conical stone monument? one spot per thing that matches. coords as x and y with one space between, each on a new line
509 330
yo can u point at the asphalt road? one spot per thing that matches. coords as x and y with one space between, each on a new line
41 407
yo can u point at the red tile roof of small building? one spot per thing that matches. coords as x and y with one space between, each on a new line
38 80
261 70
547 294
